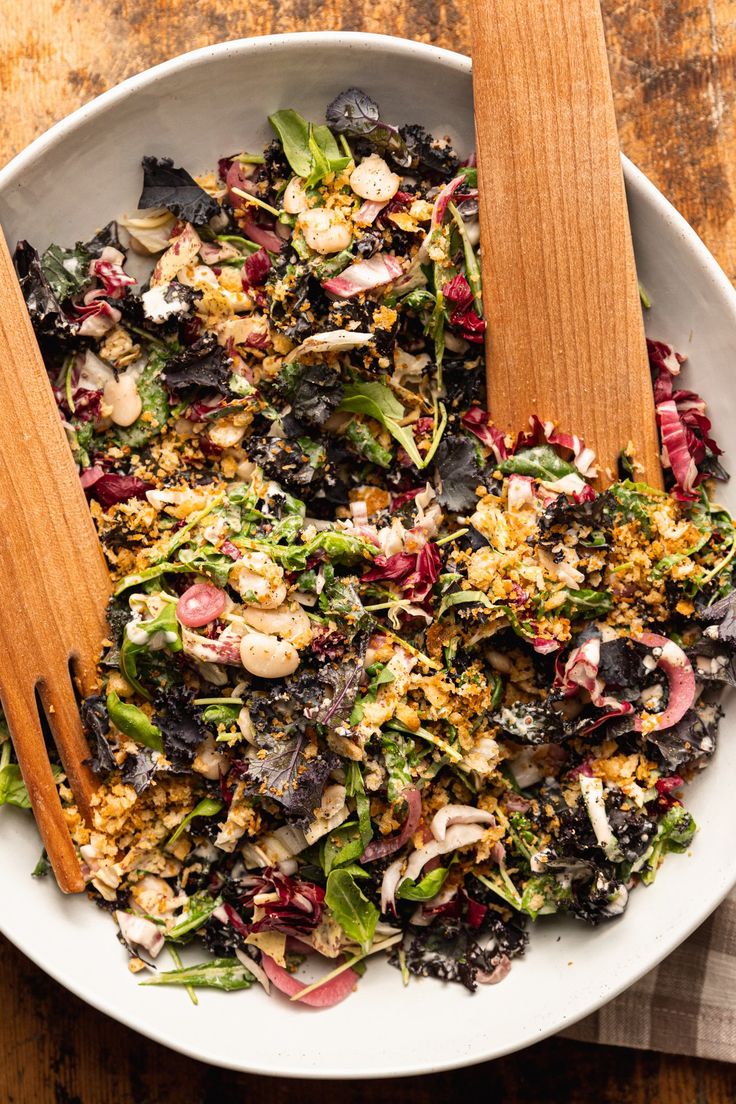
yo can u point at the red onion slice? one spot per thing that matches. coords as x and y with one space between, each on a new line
378 849
326 996
200 604
680 676
261 236
140 933
498 973
369 211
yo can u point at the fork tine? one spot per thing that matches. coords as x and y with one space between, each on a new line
62 713
24 724
84 672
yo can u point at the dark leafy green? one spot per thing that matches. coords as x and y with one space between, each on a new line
203 364
457 462
355 114
173 188
67 270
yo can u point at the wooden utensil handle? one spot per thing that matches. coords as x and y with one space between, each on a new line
565 335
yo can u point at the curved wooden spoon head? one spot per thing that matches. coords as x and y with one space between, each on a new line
565 335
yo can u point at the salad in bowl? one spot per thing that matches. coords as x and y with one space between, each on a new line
379 678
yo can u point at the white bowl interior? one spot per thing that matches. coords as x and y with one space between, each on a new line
70 182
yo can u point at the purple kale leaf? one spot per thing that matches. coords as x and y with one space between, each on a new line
721 619
287 776
314 391
692 738
286 769
458 467
181 725
204 364
166 186
45 310
96 727
138 770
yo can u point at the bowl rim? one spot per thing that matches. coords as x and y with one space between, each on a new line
637 182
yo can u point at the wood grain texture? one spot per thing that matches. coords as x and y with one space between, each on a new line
52 567
673 65
559 279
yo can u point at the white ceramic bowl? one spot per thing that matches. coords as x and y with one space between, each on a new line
72 180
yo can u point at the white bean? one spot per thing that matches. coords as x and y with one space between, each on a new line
267 657
295 198
325 231
122 395
290 624
373 180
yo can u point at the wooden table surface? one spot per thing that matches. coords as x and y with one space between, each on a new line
674 74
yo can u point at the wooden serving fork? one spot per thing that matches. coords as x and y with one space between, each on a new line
54 584
565 335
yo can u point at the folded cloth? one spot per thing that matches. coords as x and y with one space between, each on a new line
686 1005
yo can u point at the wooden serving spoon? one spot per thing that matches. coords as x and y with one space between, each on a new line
565 336
54 584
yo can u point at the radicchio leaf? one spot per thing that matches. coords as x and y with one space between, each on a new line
297 911
110 489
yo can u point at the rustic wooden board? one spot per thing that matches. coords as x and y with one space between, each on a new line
674 76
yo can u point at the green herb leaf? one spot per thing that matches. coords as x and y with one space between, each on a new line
133 722
356 915
342 846
543 895
366 444
586 603
397 750
42 867
207 807
200 907
540 462
675 833
425 889
221 714
379 402
293 132
12 787
636 501
355 787
219 973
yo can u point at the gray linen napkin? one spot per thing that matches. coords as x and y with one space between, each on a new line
686 1005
